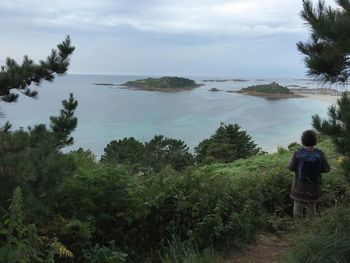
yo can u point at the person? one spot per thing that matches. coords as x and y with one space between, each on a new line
308 163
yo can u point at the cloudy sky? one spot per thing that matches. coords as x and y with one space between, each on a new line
237 38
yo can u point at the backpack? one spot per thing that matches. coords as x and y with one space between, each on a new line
309 166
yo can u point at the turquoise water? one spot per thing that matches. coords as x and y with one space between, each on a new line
106 113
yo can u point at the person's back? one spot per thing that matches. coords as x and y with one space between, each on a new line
308 163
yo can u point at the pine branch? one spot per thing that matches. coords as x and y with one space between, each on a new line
63 125
327 54
20 77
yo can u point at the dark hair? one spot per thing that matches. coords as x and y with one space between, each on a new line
309 138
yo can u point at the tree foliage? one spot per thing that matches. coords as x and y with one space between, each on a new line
338 127
22 243
14 76
162 151
328 50
229 143
155 154
124 151
63 125
328 60
31 159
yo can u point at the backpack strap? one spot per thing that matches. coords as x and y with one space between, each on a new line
301 156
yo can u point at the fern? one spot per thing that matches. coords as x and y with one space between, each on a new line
61 250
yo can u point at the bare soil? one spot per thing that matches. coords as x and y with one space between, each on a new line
267 249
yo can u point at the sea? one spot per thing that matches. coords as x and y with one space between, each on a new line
107 113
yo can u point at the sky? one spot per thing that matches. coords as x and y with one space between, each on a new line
237 38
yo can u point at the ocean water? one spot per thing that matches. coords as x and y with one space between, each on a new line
108 113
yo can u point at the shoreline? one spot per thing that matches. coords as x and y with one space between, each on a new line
269 95
149 88
327 95
331 99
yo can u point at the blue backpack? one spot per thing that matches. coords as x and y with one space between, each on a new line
309 166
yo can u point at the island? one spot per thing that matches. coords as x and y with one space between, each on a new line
214 89
270 91
164 84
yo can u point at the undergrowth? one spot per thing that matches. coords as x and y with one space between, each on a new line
325 240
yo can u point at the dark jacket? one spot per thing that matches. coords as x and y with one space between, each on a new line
306 192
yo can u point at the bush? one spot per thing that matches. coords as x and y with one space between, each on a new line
150 156
213 206
105 254
125 151
218 205
229 143
338 128
327 239
32 159
29 159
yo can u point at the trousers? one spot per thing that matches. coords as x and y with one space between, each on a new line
298 210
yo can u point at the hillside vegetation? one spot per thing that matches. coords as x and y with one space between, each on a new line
163 84
267 88
272 90
107 212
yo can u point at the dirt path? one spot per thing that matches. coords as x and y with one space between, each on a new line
266 249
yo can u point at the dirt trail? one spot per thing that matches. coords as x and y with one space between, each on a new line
266 249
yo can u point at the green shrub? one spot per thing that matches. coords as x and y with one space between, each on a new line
32 160
20 242
105 254
160 151
229 143
325 240
215 206
218 205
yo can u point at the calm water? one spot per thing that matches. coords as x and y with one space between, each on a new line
106 113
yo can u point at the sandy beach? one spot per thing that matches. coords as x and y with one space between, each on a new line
331 99
328 95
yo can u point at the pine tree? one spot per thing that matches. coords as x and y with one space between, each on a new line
328 60
32 159
161 151
63 125
124 151
19 77
327 54
229 143
338 127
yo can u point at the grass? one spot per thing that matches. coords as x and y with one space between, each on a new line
325 240
188 252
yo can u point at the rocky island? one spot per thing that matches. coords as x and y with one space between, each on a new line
164 84
270 91
214 89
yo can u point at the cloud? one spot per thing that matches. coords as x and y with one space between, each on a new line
256 17
152 36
